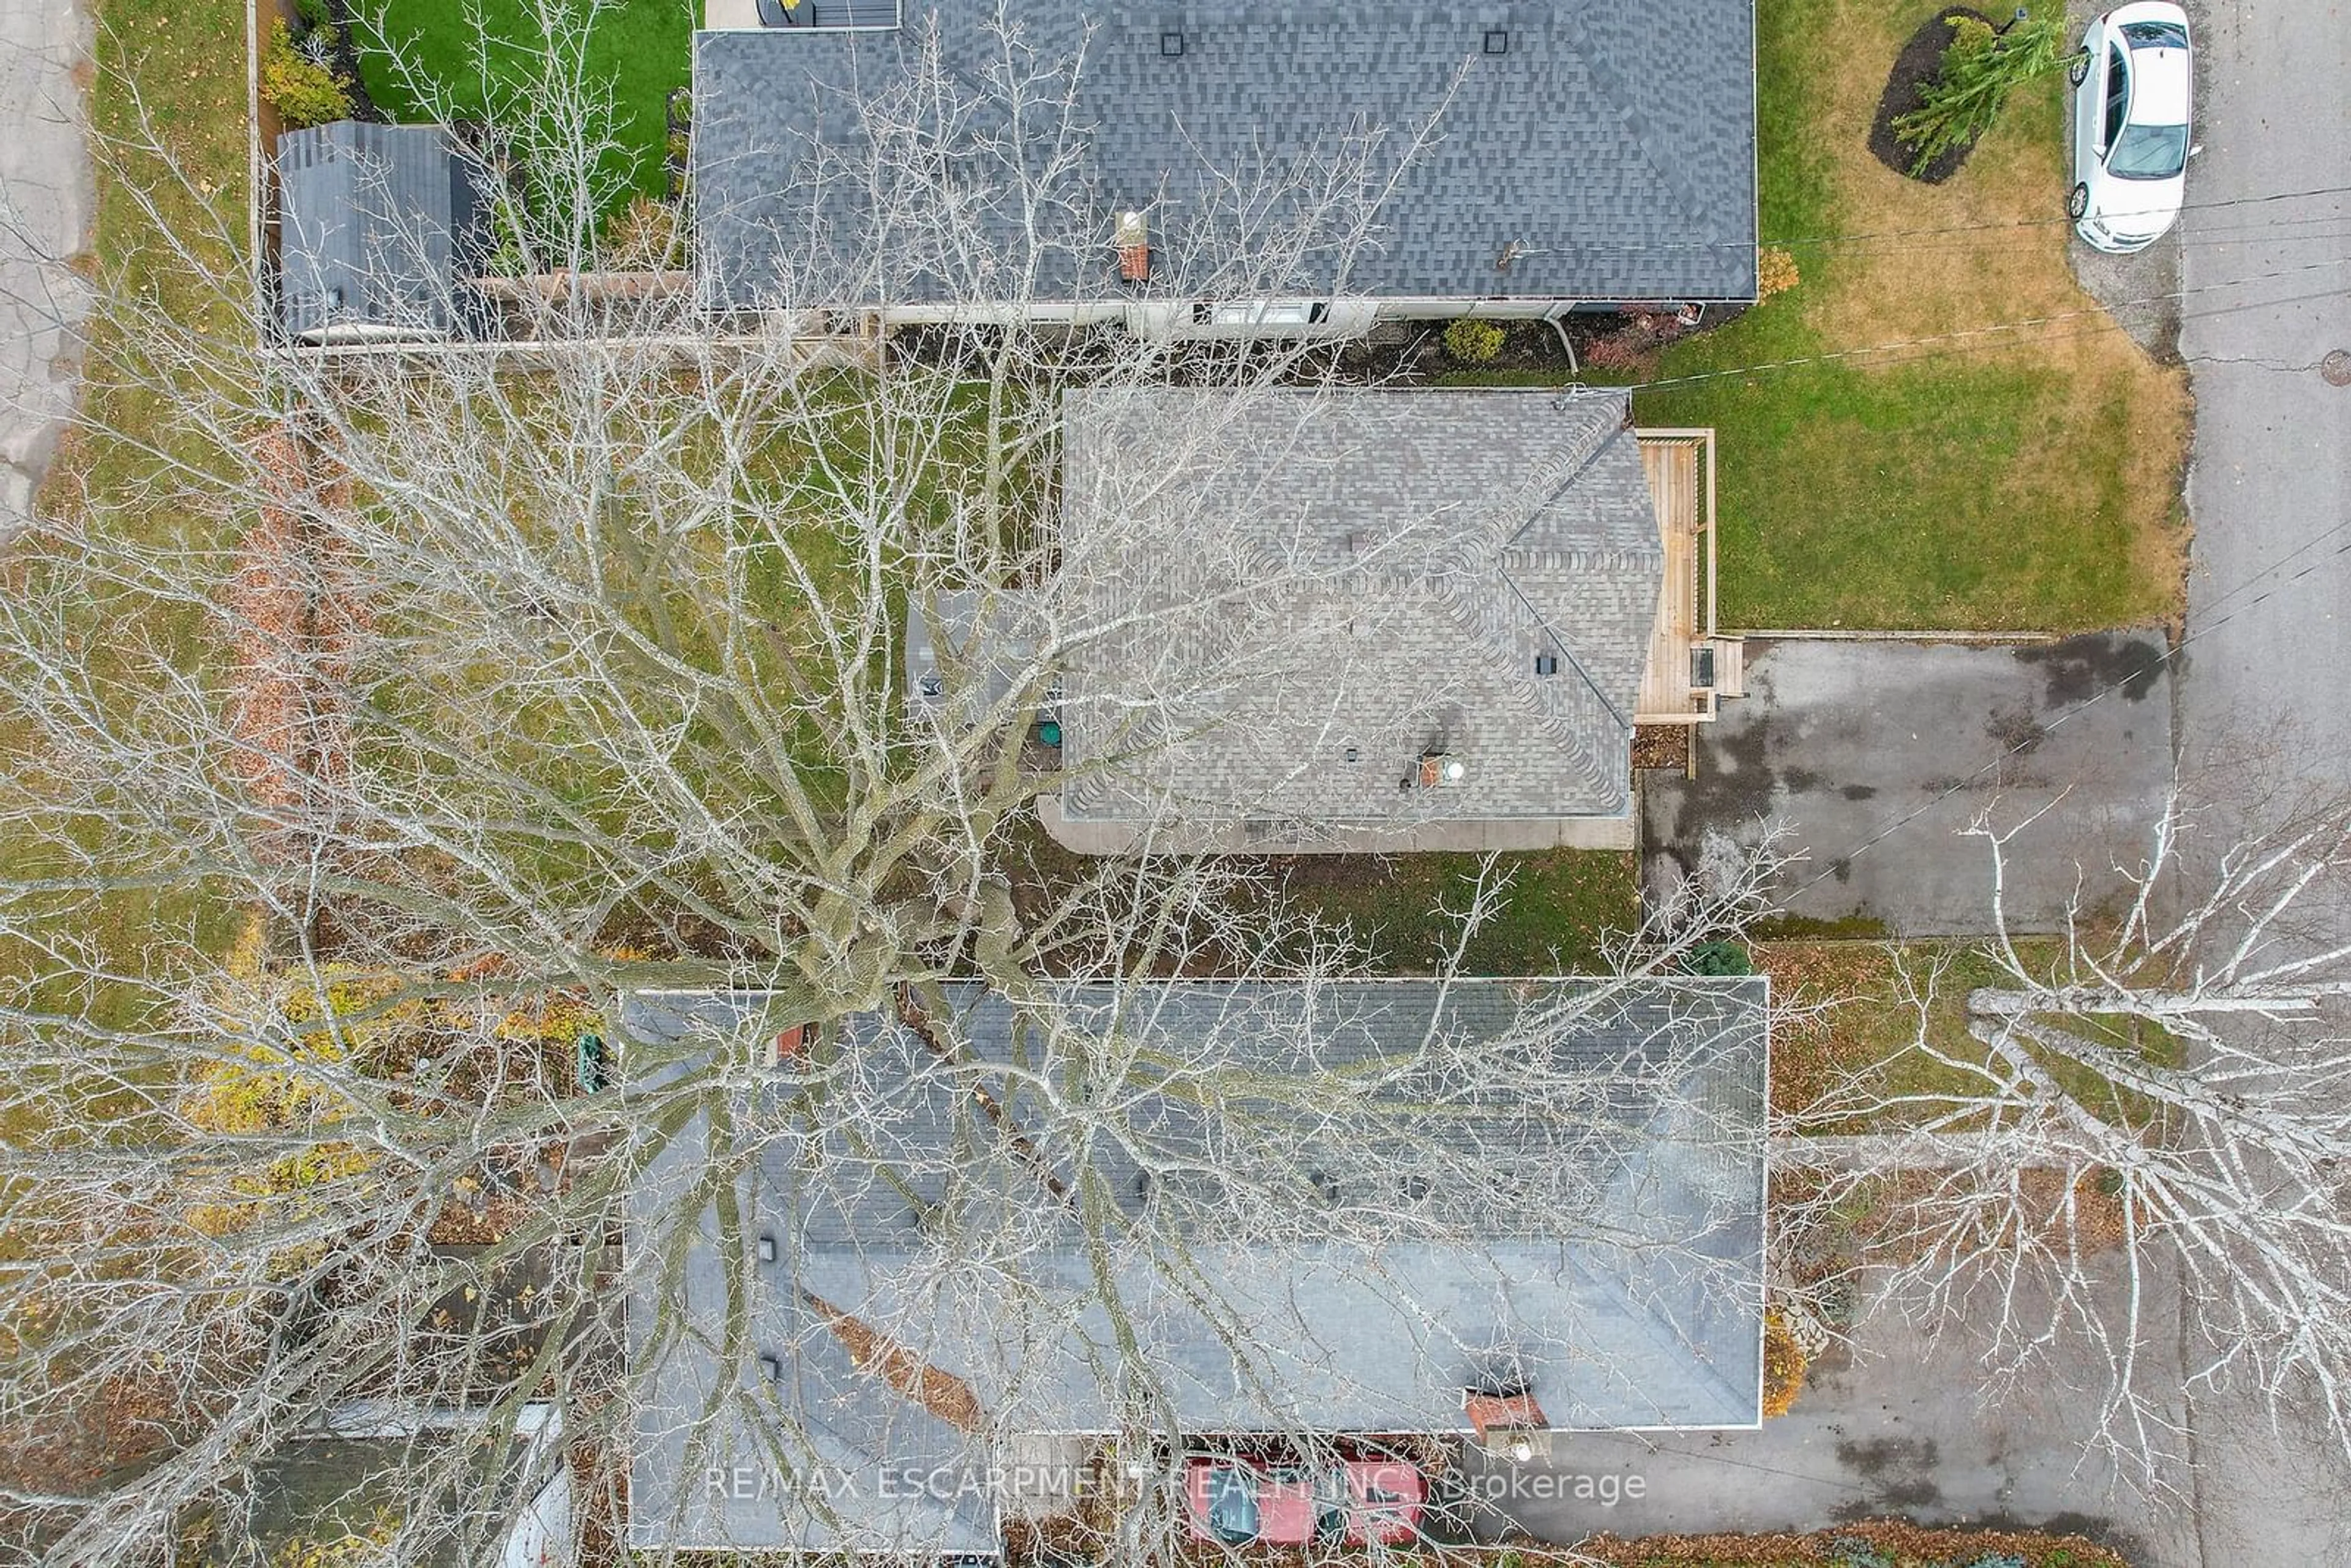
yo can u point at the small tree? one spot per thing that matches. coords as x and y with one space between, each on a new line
301 89
1978 68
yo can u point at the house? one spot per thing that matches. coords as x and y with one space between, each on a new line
1351 620
1520 160
1586 1258
380 228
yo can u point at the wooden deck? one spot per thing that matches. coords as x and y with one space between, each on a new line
1681 467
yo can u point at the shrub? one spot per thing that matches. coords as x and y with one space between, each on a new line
643 235
1630 351
302 91
1783 1365
1973 79
1720 957
315 13
1775 273
1473 342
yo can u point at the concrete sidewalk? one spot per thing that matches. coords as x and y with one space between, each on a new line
46 209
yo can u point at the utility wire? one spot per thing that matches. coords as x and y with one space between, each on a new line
1991 328
1867 235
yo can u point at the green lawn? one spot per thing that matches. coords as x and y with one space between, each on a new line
2009 481
192 91
1872 1026
641 48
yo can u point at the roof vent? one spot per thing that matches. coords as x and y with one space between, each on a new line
772 1368
1134 240
1498 41
767 1248
1546 663
1171 44
1354 755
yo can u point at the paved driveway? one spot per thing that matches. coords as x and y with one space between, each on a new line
45 215
1879 754
1895 1428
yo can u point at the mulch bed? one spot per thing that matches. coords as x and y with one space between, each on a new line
1903 1543
1914 68
1661 746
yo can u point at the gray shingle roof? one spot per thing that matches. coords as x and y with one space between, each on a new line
726 1457
1610 1242
1307 592
1613 141
372 219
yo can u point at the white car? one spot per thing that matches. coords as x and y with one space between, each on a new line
2132 93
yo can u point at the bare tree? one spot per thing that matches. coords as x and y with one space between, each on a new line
481 691
2156 1102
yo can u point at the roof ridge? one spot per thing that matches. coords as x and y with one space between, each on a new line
1607 79
1575 465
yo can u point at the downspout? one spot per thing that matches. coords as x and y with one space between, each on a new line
1557 316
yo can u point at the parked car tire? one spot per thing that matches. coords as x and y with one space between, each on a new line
2079 71
2077 202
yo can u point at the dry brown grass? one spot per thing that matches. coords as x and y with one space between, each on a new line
1936 428
2001 259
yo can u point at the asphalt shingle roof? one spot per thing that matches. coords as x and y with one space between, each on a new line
372 220
1611 142
1301 603
1610 1241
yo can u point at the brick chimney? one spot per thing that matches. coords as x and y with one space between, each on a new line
789 1045
1503 1414
1133 248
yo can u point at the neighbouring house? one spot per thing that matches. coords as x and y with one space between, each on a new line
1528 159
381 230
1319 620
1594 1262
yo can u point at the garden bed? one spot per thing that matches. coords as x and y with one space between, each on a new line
1905 85
1662 746
1885 1544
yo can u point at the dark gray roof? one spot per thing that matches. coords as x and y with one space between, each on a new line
1608 1242
1612 142
1305 592
373 222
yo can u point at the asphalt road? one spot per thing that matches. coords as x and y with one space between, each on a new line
45 216
2267 295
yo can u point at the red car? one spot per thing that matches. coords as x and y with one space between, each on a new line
1240 1501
